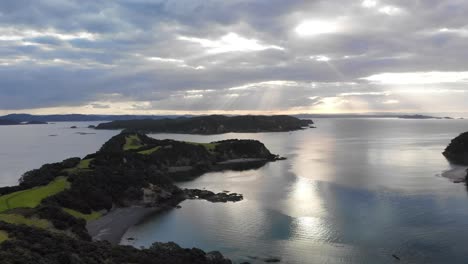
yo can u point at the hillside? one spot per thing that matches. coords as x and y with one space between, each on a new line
214 124
54 203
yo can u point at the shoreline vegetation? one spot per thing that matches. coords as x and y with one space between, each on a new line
77 210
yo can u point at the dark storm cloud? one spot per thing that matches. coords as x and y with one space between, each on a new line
232 55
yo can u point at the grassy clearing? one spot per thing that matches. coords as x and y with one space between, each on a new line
87 217
209 146
32 197
83 165
3 236
17 219
132 142
149 151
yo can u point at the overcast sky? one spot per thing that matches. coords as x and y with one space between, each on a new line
236 56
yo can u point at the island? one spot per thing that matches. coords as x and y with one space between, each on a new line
422 117
81 117
213 124
58 213
9 122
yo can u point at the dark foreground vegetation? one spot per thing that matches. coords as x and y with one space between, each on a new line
35 246
214 124
43 219
457 151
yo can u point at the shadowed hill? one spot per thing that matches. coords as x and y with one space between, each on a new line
214 124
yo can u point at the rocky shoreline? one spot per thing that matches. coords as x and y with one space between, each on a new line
222 197
112 226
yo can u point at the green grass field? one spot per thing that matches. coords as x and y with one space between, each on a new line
3 236
21 220
149 151
87 217
32 197
83 165
132 142
209 146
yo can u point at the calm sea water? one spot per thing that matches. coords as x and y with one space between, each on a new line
27 147
351 191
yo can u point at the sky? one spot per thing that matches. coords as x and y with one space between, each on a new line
236 56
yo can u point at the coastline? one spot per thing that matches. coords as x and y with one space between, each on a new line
113 225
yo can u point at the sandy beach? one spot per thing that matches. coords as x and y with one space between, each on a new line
113 225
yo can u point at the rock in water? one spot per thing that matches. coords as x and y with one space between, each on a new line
457 151
272 260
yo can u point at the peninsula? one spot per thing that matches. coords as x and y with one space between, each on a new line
48 217
213 124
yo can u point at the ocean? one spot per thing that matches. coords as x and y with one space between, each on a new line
350 191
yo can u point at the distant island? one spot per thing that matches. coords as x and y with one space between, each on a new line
213 124
56 210
422 117
373 115
95 117
80 117
10 122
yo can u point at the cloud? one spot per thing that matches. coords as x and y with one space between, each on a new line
179 62
154 56
229 43
407 78
369 3
390 10
320 58
317 27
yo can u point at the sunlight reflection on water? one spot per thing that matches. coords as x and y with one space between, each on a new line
351 191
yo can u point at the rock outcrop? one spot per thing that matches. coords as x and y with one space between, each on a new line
457 151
